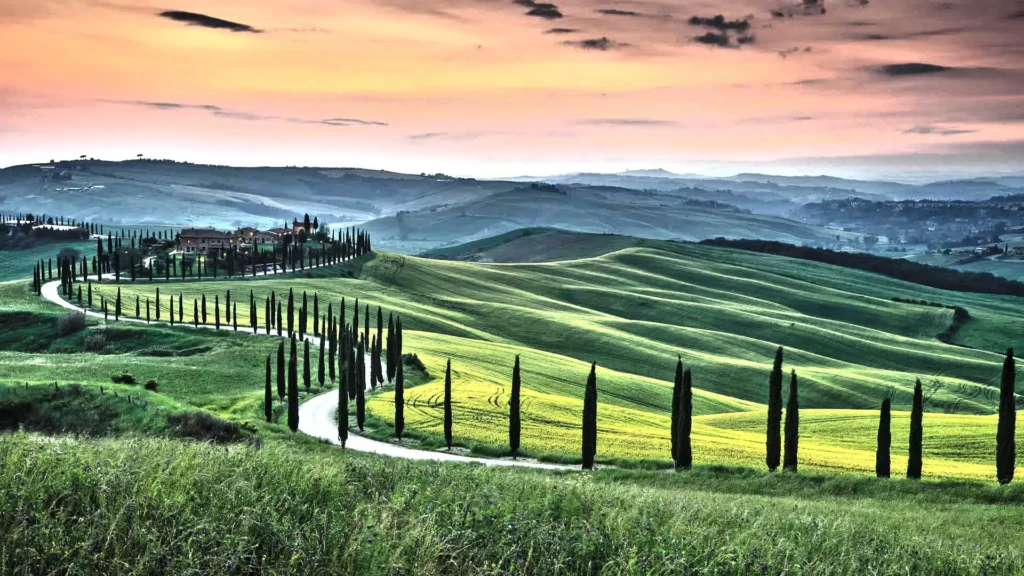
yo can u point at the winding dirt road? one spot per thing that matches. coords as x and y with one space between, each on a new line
316 414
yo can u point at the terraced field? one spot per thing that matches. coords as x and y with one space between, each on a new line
634 311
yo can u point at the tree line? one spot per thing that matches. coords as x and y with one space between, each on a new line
782 437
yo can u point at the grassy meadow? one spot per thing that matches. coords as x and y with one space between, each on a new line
636 309
147 505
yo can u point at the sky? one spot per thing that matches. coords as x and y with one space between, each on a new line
905 90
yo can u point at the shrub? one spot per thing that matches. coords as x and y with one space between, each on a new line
70 323
123 379
152 386
95 342
414 361
204 426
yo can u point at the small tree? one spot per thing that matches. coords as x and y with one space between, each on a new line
343 407
360 385
280 371
306 380
677 396
1006 448
399 402
882 457
268 396
448 404
293 388
684 451
320 364
916 434
513 410
773 443
590 419
792 426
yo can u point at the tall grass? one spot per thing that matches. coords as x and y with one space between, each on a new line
161 506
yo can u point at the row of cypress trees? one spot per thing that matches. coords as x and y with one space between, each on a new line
682 420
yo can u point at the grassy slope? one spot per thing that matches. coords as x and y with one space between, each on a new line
168 506
19 263
633 310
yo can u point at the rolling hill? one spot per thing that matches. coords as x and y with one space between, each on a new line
634 306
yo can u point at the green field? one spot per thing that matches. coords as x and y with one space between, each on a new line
636 309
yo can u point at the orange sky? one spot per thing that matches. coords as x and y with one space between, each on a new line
476 87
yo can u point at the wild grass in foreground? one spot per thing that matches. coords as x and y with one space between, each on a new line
165 506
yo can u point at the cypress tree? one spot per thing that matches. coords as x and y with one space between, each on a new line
293 388
138 310
316 314
677 399
916 434
253 320
195 313
291 312
360 384
332 343
147 305
684 451
117 305
882 458
305 365
343 408
278 319
227 306
268 395
1006 448
399 403
204 307
268 314
216 311
448 405
280 370
234 317
590 419
792 427
391 348
158 303
513 410
773 443
320 364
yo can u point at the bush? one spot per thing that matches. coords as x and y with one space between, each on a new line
70 323
123 379
204 426
152 386
414 361
95 342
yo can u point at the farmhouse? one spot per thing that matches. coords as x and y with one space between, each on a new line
249 236
203 240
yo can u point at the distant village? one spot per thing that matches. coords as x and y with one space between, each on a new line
209 240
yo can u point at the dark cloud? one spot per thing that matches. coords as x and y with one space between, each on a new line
617 12
794 50
448 135
540 9
242 115
723 39
603 44
913 69
936 130
625 122
909 35
562 31
194 19
720 23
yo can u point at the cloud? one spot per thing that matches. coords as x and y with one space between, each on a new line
807 8
540 9
723 39
913 69
937 130
447 136
195 19
617 12
720 23
625 122
724 33
603 44
562 31
242 115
